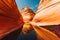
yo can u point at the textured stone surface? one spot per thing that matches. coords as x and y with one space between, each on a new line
48 14
10 18
27 15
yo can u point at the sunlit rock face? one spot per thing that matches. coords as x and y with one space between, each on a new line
10 20
27 15
45 4
45 22
47 19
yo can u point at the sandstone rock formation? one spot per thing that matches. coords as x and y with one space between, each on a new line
46 20
10 20
48 14
27 15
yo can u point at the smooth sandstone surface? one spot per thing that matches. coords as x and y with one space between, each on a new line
10 18
48 14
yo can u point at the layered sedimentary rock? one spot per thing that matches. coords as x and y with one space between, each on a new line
45 22
47 19
27 15
10 20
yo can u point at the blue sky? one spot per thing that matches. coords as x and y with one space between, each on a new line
28 3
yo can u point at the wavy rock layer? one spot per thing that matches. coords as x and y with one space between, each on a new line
10 18
47 19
